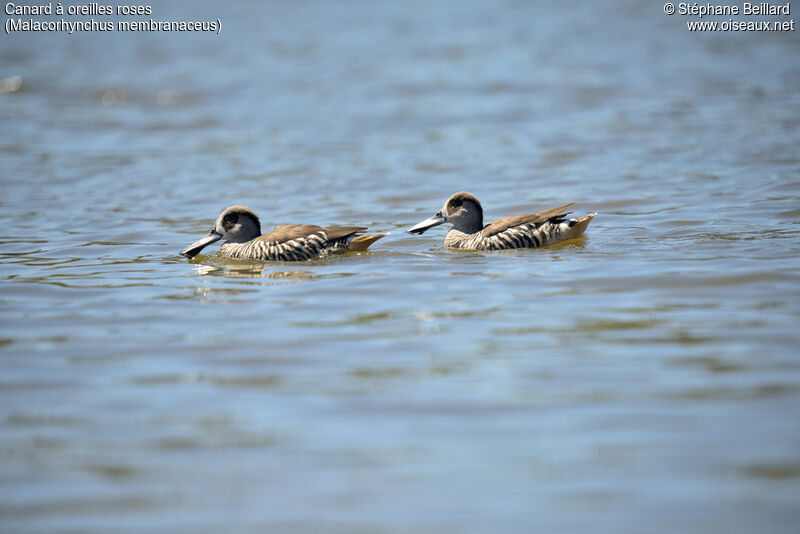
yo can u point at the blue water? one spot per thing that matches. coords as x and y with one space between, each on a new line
643 379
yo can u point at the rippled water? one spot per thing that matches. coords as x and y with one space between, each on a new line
643 379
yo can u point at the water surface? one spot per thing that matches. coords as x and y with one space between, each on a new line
642 379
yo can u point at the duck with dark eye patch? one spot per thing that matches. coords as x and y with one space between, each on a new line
241 229
465 213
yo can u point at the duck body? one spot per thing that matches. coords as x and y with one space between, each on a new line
297 242
241 229
529 230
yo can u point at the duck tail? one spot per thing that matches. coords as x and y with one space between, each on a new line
362 242
578 226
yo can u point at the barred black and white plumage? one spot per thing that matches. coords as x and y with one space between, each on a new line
336 245
465 213
298 249
240 227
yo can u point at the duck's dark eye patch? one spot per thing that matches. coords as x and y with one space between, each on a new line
230 219
455 203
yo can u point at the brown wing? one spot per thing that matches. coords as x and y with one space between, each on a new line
289 232
340 232
527 218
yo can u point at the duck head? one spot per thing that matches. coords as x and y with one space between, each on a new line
237 224
462 210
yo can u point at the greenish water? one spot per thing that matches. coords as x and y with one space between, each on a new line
645 378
